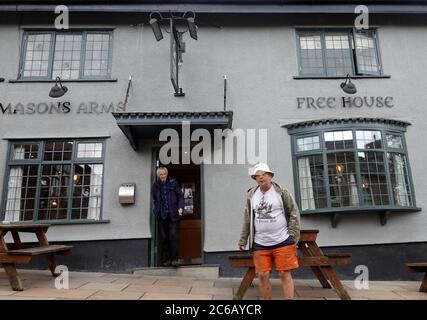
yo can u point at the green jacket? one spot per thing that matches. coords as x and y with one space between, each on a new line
291 214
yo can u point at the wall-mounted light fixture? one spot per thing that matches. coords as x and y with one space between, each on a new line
177 46
348 86
76 179
53 203
57 91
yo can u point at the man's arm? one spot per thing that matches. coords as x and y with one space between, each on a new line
244 234
180 196
294 215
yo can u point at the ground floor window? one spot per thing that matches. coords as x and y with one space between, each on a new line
54 180
351 164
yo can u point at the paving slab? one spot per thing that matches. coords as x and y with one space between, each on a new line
174 296
115 295
54 293
158 289
104 286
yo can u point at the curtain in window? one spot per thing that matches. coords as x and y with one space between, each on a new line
13 204
401 186
306 184
354 196
94 211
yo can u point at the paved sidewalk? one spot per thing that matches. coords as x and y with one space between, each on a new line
90 285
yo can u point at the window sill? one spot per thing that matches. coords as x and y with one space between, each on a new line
381 211
53 80
70 222
340 77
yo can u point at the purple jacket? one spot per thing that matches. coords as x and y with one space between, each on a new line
175 198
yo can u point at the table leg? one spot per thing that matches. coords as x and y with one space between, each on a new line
329 273
16 239
41 236
316 270
423 287
12 274
244 285
336 283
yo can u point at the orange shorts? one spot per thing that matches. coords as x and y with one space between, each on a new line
284 259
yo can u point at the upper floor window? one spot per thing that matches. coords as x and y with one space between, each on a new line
331 53
353 165
68 55
54 180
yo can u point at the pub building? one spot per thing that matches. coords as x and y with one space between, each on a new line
337 110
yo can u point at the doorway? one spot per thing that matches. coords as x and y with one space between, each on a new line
190 240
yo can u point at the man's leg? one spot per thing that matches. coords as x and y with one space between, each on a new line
264 285
263 264
163 241
174 242
287 284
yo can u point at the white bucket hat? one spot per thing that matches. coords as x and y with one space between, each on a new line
260 167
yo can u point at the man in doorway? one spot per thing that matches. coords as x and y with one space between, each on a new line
271 221
168 207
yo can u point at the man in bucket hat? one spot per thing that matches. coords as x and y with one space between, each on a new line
271 222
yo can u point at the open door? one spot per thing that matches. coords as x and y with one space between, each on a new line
189 178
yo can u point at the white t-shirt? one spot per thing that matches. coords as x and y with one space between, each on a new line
271 227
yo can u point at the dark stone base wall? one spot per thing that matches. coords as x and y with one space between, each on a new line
384 261
101 256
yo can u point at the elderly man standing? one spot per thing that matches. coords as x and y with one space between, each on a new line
271 221
168 207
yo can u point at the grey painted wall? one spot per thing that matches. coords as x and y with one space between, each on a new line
260 62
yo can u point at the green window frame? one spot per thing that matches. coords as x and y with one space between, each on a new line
70 55
351 165
58 180
338 52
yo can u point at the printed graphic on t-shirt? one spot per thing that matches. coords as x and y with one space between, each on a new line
270 222
263 210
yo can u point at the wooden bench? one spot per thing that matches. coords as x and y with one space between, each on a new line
17 252
24 256
315 262
419 267
329 259
309 255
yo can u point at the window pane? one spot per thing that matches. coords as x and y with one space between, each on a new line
58 151
399 176
311 182
308 143
54 184
337 54
21 193
66 62
394 141
342 179
36 57
366 52
311 58
25 151
89 150
368 139
87 191
339 140
97 55
374 181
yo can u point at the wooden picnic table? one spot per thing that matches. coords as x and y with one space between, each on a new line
309 255
19 253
